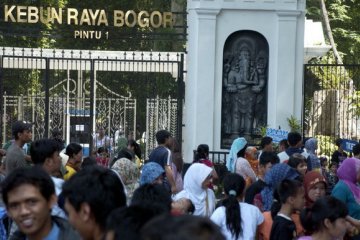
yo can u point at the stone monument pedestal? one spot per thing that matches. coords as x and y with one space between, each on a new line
212 25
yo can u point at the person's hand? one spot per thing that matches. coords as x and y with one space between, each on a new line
173 190
353 226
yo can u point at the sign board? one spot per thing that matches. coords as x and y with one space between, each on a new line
276 134
348 145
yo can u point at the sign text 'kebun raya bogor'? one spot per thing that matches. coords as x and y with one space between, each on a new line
87 17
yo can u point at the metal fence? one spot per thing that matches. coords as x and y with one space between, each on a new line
78 92
331 104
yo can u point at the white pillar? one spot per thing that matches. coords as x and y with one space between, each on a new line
199 92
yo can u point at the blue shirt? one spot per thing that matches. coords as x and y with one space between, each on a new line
54 233
342 192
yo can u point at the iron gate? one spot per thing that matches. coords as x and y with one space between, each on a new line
77 92
331 104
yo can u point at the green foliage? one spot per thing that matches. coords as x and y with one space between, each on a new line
326 145
294 124
344 20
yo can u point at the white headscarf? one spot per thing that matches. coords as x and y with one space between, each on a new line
203 199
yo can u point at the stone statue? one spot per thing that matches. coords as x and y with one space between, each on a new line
244 84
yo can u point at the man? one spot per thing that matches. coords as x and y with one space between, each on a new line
266 161
29 195
356 151
339 155
15 155
45 154
162 156
266 145
90 196
295 143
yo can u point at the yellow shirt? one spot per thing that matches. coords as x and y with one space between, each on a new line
69 172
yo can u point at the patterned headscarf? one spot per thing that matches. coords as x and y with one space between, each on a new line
273 177
347 172
237 145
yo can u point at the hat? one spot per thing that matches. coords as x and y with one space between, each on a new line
19 127
150 172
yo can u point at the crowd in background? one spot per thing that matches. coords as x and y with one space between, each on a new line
272 191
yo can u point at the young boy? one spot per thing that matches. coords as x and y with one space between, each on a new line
290 194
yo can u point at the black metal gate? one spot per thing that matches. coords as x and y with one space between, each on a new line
331 104
77 92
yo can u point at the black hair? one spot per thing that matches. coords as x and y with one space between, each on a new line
265 141
333 163
132 219
268 157
184 227
356 149
19 127
202 152
285 143
73 149
296 159
328 207
96 186
242 151
294 138
162 135
338 142
155 196
101 150
35 176
234 185
137 149
286 188
323 161
42 149
124 153
88 161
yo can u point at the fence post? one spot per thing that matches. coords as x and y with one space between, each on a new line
47 97
92 102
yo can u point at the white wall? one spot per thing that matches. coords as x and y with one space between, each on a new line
211 22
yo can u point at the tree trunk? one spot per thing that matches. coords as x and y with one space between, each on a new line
328 30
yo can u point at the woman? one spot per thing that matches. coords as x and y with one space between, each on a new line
243 167
236 219
311 146
129 174
346 190
196 188
202 156
315 187
74 151
177 164
325 220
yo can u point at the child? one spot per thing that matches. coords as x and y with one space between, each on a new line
290 197
331 176
236 219
102 158
326 219
298 161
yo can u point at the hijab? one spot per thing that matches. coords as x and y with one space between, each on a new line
311 146
347 172
193 179
273 177
237 145
311 178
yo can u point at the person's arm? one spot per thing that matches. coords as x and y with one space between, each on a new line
170 178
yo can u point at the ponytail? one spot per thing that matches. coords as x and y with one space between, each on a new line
234 185
233 215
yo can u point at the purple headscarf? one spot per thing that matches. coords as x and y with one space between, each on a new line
347 173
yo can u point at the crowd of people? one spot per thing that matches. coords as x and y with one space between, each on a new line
50 191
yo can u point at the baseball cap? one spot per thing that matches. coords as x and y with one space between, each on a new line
20 126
